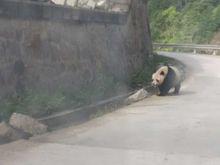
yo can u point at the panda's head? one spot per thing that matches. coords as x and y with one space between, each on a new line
159 76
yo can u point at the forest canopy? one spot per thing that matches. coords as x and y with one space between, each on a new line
184 21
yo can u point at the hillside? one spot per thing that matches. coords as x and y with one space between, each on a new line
184 21
216 38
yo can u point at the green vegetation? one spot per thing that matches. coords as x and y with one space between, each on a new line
184 21
143 77
41 103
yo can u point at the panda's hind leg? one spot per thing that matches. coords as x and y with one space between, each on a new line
177 89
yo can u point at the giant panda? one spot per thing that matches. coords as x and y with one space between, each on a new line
167 77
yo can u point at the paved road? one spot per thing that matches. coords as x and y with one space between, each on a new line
174 130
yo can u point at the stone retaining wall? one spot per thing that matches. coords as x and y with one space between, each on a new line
45 47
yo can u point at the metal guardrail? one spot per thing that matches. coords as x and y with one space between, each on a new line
26 10
106 5
115 6
195 47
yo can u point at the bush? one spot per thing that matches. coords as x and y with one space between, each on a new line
191 21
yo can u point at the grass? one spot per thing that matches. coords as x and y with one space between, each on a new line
38 103
142 77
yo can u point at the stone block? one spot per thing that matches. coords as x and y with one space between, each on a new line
27 124
137 96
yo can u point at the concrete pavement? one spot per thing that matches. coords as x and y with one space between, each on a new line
174 130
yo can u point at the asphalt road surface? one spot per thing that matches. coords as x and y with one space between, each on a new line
171 130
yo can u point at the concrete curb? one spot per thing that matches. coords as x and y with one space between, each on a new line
83 114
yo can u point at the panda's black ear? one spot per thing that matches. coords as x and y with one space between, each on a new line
162 73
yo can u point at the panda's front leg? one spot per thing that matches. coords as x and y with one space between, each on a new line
177 89
163 90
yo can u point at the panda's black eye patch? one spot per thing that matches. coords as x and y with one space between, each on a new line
162 73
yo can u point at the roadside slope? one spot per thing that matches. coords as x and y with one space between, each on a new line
159 130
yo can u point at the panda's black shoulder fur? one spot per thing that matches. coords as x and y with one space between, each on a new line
171 75
168 81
